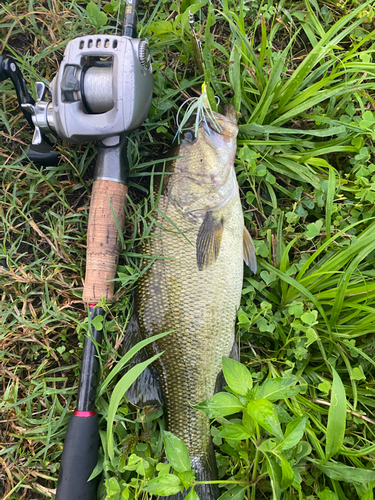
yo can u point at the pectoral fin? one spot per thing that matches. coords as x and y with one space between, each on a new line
209 240
249 255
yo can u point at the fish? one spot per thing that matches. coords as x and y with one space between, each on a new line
193 288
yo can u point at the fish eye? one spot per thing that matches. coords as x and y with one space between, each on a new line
189 136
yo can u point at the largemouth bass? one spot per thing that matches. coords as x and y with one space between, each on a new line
195 288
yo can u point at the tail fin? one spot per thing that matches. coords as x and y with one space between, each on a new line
205 470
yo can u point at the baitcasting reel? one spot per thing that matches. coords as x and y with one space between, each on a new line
102 91
106 75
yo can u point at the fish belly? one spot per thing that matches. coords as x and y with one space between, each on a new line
200 306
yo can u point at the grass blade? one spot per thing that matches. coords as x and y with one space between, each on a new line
118 393
336 417
329 202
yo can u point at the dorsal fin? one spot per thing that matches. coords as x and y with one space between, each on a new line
249 255
209 240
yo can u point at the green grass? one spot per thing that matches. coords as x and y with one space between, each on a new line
301 75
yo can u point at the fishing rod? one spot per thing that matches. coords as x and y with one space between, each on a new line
102 91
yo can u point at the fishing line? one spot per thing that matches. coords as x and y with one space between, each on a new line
199 105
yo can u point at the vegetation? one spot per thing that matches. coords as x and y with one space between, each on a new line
297 420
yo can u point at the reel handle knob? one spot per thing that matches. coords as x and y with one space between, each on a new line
42 154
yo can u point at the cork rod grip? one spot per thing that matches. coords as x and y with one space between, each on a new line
103 243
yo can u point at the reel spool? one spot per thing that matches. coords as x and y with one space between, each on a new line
97 88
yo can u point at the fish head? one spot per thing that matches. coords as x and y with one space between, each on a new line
206 178
211 152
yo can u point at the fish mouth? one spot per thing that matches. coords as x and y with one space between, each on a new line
222 126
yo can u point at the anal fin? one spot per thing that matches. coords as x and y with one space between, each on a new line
146 390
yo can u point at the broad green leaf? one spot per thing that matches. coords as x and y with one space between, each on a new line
125 493
164 485
274 471
358 373
113 488
336 417
235 431
133 462
264 412
296 309
187 477
287 473
274 389
325 386
283 415
92 9
220 405
345 473
192 495
248 422
176 452
303 449
97 322
99 18
293 433
111 7
327 494
267 277
237 376
118 393
267 446
313 229
233 493
161 27
309 317
163 469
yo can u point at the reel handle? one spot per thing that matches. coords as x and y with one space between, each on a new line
106 218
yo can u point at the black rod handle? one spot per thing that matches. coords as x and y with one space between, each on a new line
79 458
80 453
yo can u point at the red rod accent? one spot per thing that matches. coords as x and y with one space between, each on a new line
92 305
78 413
